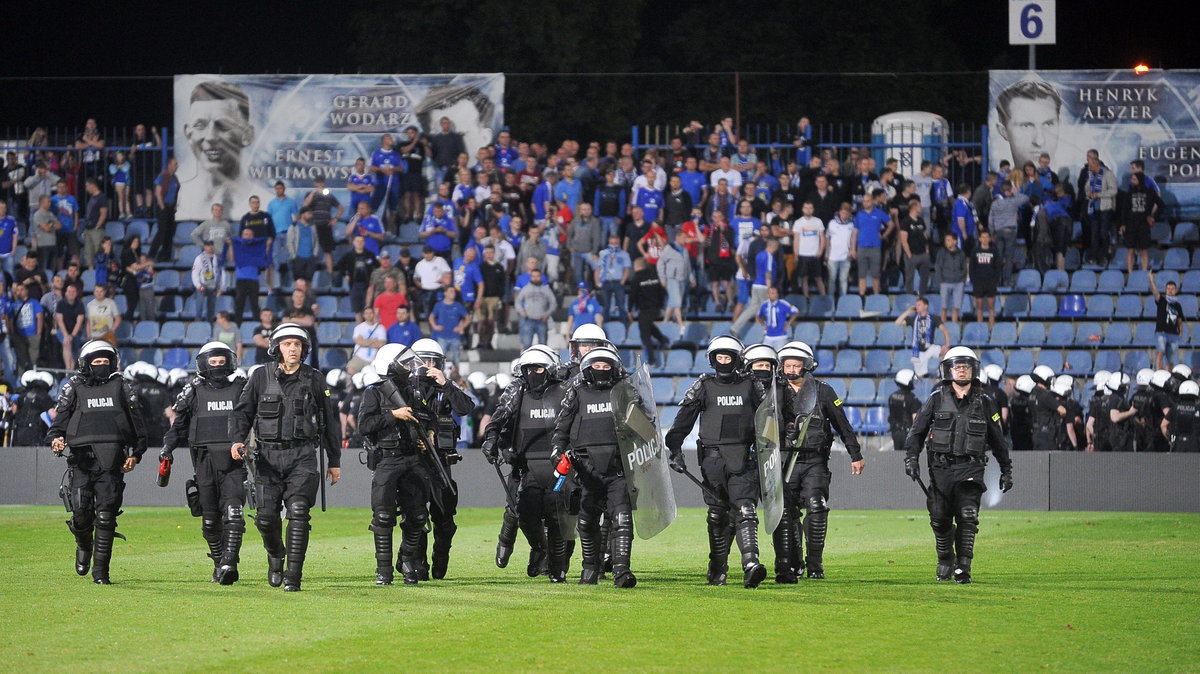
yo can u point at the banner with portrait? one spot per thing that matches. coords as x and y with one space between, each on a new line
236 135
1154 117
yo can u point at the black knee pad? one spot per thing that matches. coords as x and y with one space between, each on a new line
233 513
267 520
106 519
746 512
718 517
588 523
416 522
941 524
969 515
298 510
816 504
384 518
623 520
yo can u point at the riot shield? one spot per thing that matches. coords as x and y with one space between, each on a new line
805 408
770 467
643 454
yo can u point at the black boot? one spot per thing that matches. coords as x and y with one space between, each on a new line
106 531
781 540
557 548
421 562
210 529
383 554
753 572
507 539
589 546
797 532
965 546
815 525
943 539
568 551
443 536
235 527
622 548
606 547
84 540
271 530
410 548
718 546
297 546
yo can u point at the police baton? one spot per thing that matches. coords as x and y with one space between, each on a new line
700 483
512 498
921 483
321 463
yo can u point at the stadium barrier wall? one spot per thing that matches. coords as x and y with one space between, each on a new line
1053 481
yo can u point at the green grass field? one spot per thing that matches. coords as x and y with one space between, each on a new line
1061 591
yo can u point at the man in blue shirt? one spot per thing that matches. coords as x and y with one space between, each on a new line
8 238
360 184
448 322
612 267
962 223
568 190
27 316
693 181
283 210
367 226
505 152
651 201
438 232
403 331
543 195
584 310
776 316
467 277
166 195
249 258
66 208
764 256
873 226
386 167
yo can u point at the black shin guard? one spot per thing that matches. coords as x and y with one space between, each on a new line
783 543
797 541
234 529
718 545
622 549
589 546
943 540
506 541
535 535
815 525
964 544
210 529
747 538
443 538
297 545
606 547
410 552
271 529
84 541
106 531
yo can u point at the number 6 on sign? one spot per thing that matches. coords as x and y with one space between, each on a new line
1031 22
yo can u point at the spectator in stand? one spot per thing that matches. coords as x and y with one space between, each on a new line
386 302
776 316
363 224
387 167
360 184
583 310
552 237
763 268
448 322
262 335
1168 323
208 278
1100 190
25 319
445 147
810 244
651 244
31 275
6 352
356 266
40 184
403 330
694 182
384 270
843 242
1140 207
91 143
300 310
215 229
66 208
326 211
872 226
646 294
468 279
8 238
921 340
166 196
428 274
726 172
226 332
1003 217
964 219
69 319
438 232
107 268
45 226
609 203
985 276
96 217
103 316
1057 227
301 245
249 258
951 271
534 305
941 194
583 242
283 211
119 172
612 269
414 148
369 335
914 246
12 181
132 267
568 191
675 273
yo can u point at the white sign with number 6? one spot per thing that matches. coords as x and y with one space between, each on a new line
1031 22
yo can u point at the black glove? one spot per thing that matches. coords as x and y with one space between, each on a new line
168 454
508 456
676 461
489 452
912 468
1006 481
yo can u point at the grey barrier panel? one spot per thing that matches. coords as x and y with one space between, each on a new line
1125 481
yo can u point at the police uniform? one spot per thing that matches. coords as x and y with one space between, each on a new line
1183 425
587 427
497 441
725 406
1021 421
808 486
202 424
1101 423
99 419
1074 419
957 433
902 405
400 478
1120 433
293 417
443 401
998 394
28 427
1048 431
153 400
1148 422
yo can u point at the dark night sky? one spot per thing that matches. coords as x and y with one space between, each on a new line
162 39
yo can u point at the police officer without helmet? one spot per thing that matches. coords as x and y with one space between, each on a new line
957 425
98 419
293 417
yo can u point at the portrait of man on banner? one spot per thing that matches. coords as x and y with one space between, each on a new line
218 130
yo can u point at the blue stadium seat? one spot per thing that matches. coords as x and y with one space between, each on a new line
1160 232
862 391
248 329
1019 363
838 385
225 303
1051 358
1088 334
169 307
862 335
166 281
719 328
955 331
333 358
671 330
1144 335
1136 359
1118 334
848 306
122 303
1176 258
139 227
1128 306
824 361
809 333
1032 334
697 333
1079 361
633 336
700 363
152 356
878 303
975 333
834 335
1015 305
198 333
1071 259
847 361
1117 261
901 302
1083 281
1072 306
328 333
679 362
176 357
875 421
1190 283
1004 335
124 331
666 416
1189 304
891 335
878 362
820 306
992 357
664 390
1108 360
1111 281
145 333
1055 281
901 358
89 281
116 230
170 334
1185 232
344 310
1100 306
1028 281
321 282
409 232
754 334
1060 335
183 234
1043 306
327 306
249 357
187 255
887 386
615 332
1138 282
853 415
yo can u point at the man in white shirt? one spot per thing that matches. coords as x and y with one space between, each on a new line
368 337
842 240
428 275
208 278
725 170
809 243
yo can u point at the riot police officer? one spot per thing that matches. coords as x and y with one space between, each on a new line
586 432
957 426
399 476
98 419
814 413
1022 415
1182 422
522 424
583 339
1162 402
1146 425
993 380
1097 414
1179 374
902 408
28 427
1120 413
444 400
1072 423
1046 410
154 398
292 415
202 424
725 403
